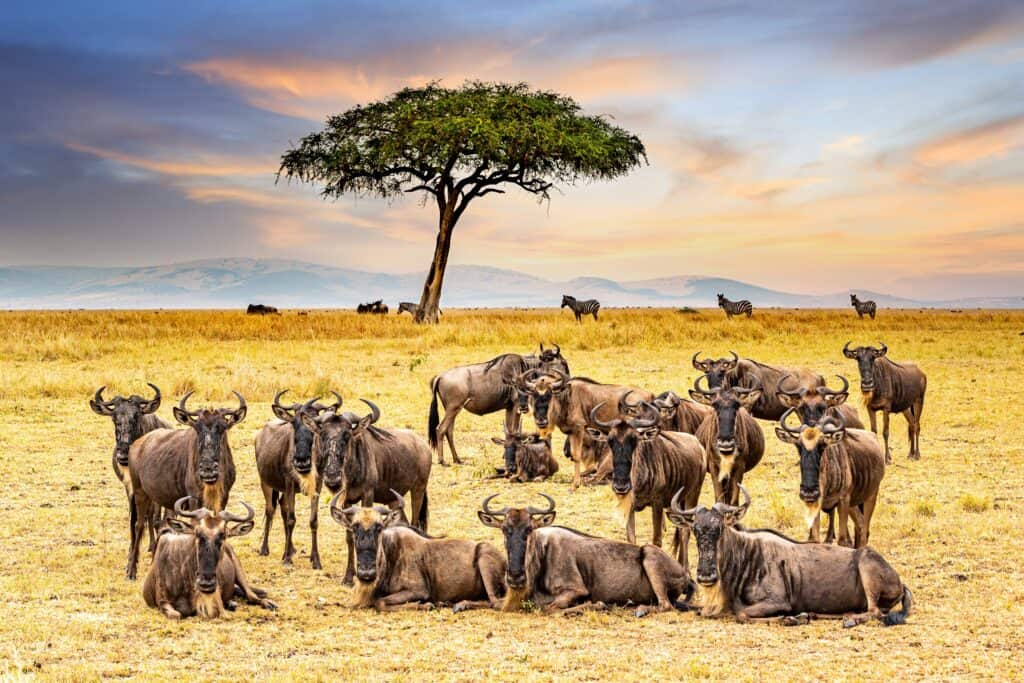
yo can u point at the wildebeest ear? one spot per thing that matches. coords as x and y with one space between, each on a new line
543 520
490 520
363 423
787 400
500 442
100 408
281 413
649 433
750 398
240 529
342 516
700 397
182 416
834 400
179 525
785 435
680 519
595 434
310 422
396 516
832 438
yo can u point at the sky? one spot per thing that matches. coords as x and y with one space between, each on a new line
808 147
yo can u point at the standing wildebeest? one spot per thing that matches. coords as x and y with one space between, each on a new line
580 308
892 388
732 439
194 570
558 401
289 458
839 468
377 462
862 307
260 309
760 575
678 414
482 388
527 457
377 307
814 403
648 466
557 568
167 464
731 308
747 373
400 567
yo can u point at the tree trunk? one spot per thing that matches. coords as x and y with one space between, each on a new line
431 299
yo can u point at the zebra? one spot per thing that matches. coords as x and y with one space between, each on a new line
411 308
862 307
581 308
732 308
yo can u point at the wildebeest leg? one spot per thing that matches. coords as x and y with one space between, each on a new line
654 568
576 452
885 436
844 530
913 415
868 511
252 595
446 429
269 508
512 420
716 483
682 538
407 599
814 527
140 519
419 499
657 518
350 565
830 535
565 599
871 417
466 605
168 609
288 517
631 526
314 522
763 610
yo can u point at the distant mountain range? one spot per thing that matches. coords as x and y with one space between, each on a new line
233 283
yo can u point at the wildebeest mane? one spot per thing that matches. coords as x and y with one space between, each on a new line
497 359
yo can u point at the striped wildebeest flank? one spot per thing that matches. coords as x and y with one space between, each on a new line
482 389
527 457
580 308
732 439
377 307
648 466
193 570
840 470
566 571
814 403
410 308
862 307
168 464
557 400
731 308
761 575
400 567
290 458
748 374
891 388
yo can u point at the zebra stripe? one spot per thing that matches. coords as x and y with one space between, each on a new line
731 308
863 307
581 308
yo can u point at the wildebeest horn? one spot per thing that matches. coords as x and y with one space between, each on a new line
99 397
800 391
882 350
288 409
152 404
675 504
697 364
179 509
239 414
625 406
561 379
485 506
746 498
847 352
334 501
230 517
523 380
598 421
181 404
735 358
846 385
399 499
696 386
743 391
542 347
837 423
668 399
782 422
639 423
334 407
374 410
551 506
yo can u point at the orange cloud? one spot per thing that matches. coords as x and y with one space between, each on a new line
196 165
991 140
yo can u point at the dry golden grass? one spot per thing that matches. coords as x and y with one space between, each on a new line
950 523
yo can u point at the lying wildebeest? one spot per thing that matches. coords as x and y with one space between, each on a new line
260 309
290 458
732 439
377 462
760 575
814 403
863 308
400 567
193 570
377 307
527 457
678 414
482 389
749 374
557 567
167 464
840 469
648 466
559 401
892 388
411 308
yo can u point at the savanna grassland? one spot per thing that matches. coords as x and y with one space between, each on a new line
949 523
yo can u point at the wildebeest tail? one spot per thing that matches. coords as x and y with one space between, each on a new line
433 420
425 513
897 617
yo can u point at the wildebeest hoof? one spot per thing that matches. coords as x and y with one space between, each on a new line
642 611
263 551
316 564
914 456
348 580
268 604
442 463
459 607
849 623
682 605
231 605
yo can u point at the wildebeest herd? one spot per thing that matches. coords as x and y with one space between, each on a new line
654 451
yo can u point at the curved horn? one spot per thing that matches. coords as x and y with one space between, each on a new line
334 501
524 379
654 419
594 419
152 404
696 386
837 423
179 509
883 349
551 506
846 386
277 402
558 350
374 410
230 517
336 406
99 397
674 505
239 414
735 358
625 406
561 379
800 391
697 364
181 403
485 506
847 352
742 391
782 422
746 498
399 499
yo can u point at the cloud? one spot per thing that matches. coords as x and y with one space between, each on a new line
193 165
845 145
987 141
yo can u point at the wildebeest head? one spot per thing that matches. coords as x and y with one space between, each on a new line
210 530
127 416
812 403
708 527
335 430
513 443
552 359
211 426
366 525
865 357
667 404
539 390
726 403
302 435
811 443
516 525
623 435
717 371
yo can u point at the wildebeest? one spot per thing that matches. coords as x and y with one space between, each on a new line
566 571
731 308
260 309
527 457
747 373
678 414
482 388
289 458
892 388
411 308
760 575
580 308
193 570
840 469
167 464
814 403
863 308
648 466
377 462
732 439
559 401
400 567
377 307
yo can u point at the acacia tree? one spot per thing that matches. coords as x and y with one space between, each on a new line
457 145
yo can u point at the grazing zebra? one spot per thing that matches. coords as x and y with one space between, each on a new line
581 308
732 308
411 308
862 307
